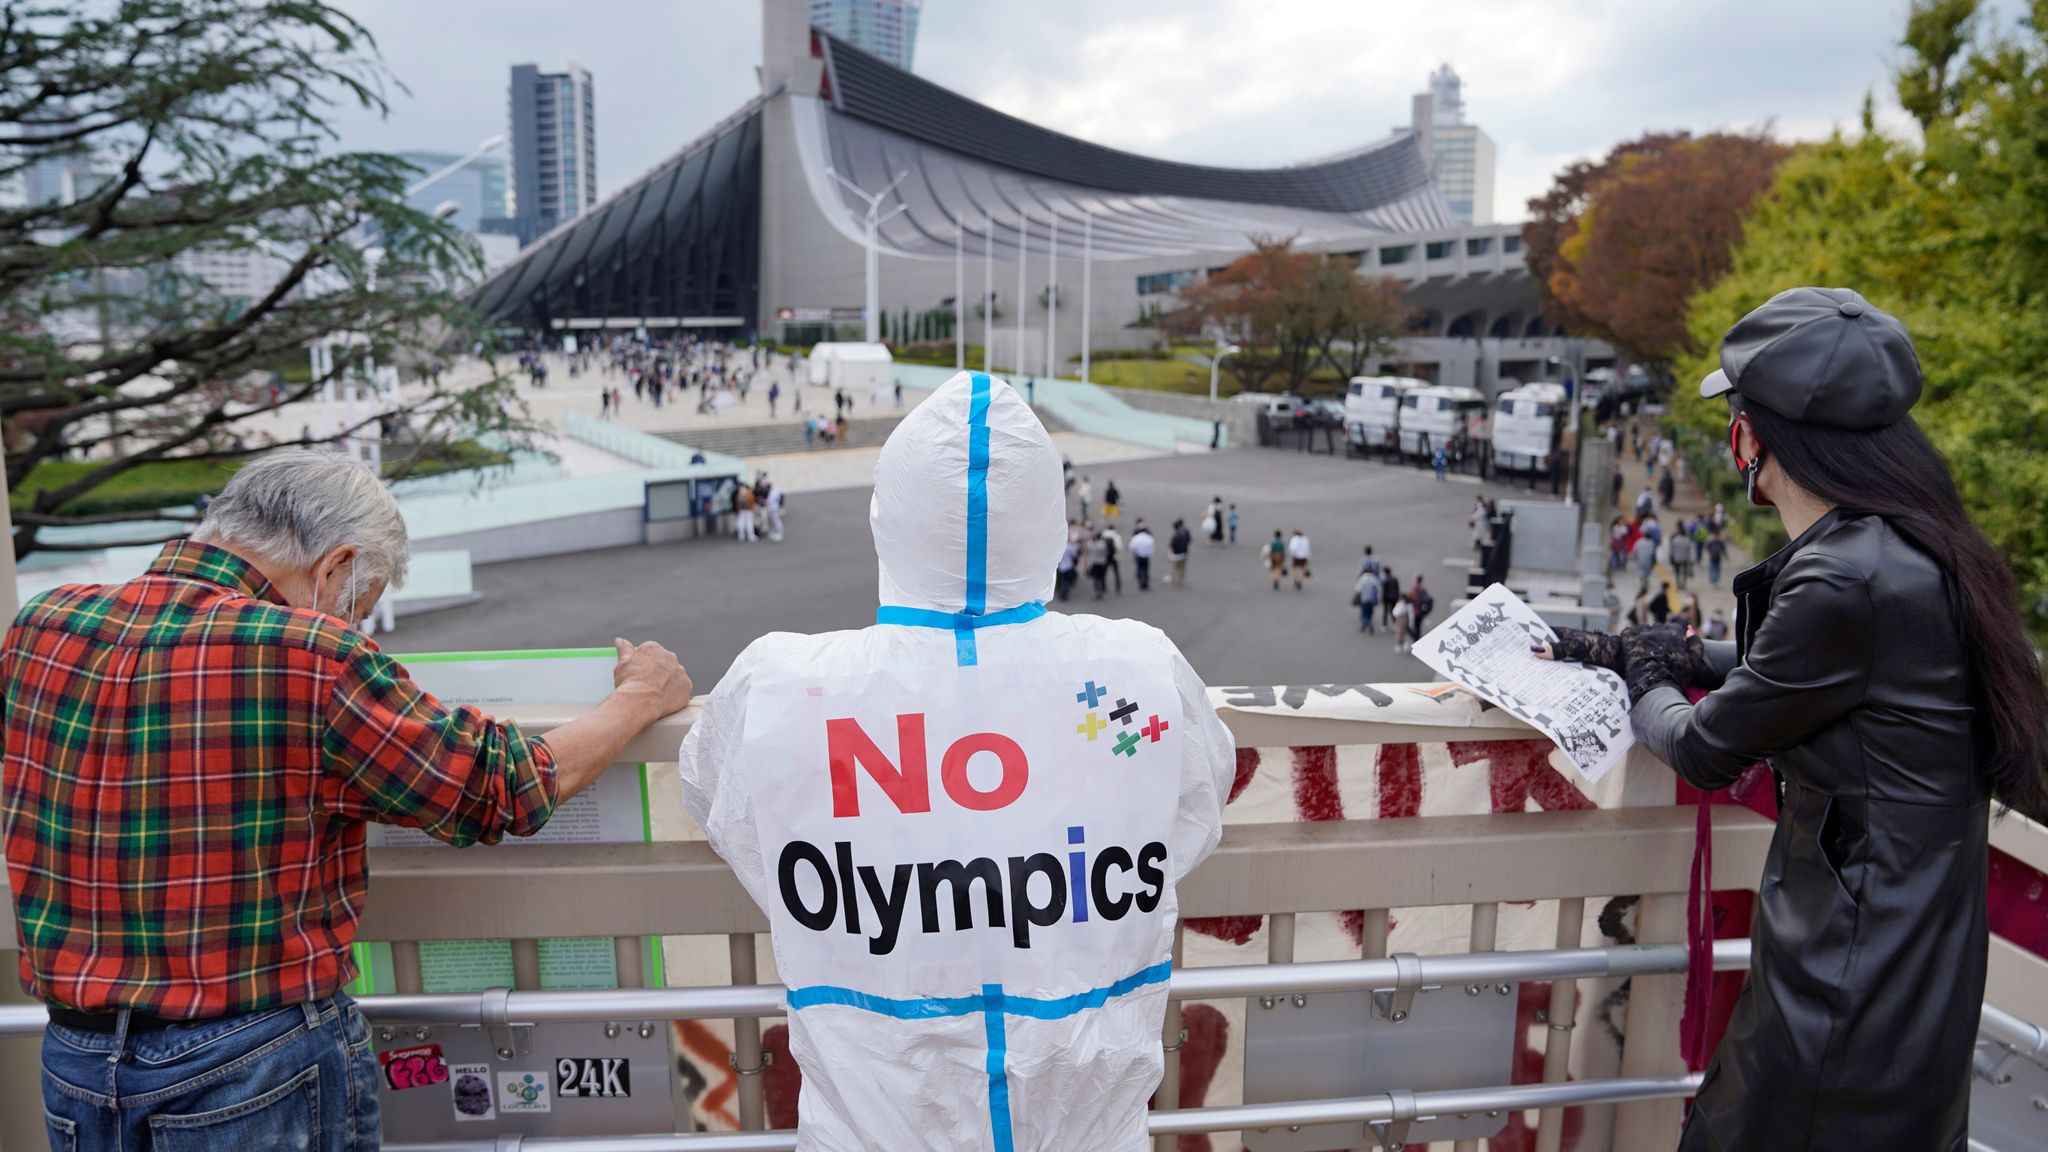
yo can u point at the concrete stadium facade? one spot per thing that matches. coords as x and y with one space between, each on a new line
748 230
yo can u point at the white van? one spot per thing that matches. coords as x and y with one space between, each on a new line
1436 415
1372 408
1527 423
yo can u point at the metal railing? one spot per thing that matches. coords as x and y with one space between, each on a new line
1272 871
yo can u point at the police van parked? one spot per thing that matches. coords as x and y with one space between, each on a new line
1438 415
1372 410
1527 425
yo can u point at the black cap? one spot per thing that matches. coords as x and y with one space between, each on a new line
1820 356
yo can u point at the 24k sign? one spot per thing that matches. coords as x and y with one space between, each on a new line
593 1077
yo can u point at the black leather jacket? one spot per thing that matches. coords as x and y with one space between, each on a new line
1856 1029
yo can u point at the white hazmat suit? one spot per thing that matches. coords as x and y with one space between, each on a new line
966 822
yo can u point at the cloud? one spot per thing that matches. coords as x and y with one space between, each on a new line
1234 82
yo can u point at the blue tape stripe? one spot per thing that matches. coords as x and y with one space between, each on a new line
977 496
933 1008
998 1071
928 618
1093 998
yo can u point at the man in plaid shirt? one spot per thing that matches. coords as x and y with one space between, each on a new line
190 759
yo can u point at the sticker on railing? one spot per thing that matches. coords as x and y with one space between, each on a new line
593 1077
472 1091
524 1092
415 1067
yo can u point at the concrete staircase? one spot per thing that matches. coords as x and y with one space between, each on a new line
750 440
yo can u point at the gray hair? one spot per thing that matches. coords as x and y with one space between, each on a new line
296 505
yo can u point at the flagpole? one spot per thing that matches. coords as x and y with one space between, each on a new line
1023 238
1087 283
1052 299
959 296
988 291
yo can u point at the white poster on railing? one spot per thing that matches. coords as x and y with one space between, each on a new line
1485 646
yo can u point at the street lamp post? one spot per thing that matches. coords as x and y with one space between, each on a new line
874 223
988 291
1052 298
1023 243
959 295
1087 281
1221 352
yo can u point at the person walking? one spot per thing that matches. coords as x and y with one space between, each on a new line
1212 520
1085 493
1365 594
774 394
1177 554
1667 488
1716 549
1098 564
772 509
1644 555
190 761
1390 594
1274 555
1111 499
1232 518
1481 523
1420 605
1398 619
1142 545
743 513
1068 571
1116 559
1298 556
1679 553
1441 461
1882 664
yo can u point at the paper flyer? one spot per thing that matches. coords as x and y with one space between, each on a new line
1484 646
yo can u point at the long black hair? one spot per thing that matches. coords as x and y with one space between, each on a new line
1897 474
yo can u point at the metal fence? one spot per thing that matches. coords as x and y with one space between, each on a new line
1273 871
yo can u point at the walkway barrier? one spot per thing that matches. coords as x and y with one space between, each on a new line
1092 410
649 451
1269 872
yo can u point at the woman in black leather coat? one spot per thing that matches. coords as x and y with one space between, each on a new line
1881 667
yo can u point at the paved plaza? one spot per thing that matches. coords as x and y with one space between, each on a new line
707 598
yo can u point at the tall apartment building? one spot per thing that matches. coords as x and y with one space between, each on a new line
884 28
554 147
1461 154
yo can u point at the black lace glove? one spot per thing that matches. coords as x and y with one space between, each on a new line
1599 649
1659 655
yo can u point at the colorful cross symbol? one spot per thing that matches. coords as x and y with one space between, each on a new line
1155 728
1126 744
1091 694
1090 727
1123 712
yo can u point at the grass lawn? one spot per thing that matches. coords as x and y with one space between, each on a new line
170 483
1157 375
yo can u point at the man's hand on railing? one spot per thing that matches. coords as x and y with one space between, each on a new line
648 683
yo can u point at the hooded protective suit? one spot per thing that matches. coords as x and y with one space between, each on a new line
977 961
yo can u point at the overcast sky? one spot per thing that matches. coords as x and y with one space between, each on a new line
1236 82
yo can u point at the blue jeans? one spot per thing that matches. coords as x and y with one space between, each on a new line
299 1077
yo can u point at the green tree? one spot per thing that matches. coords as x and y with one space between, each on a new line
1289 311
1949 234
196 131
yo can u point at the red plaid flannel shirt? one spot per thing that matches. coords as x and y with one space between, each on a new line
188 766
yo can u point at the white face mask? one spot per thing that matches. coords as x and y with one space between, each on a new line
354 595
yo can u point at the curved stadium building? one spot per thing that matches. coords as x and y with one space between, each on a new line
750 229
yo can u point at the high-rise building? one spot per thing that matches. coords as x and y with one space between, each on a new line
554 147
884 28
478 188
1461 154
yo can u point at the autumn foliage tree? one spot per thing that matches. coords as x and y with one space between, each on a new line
1292 311
1619 247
